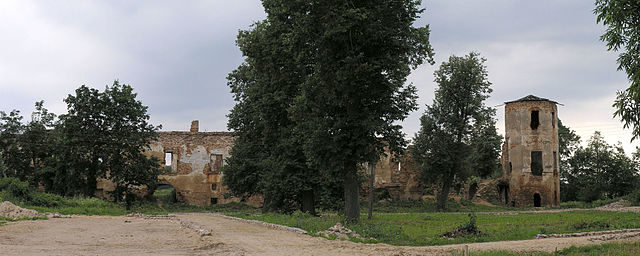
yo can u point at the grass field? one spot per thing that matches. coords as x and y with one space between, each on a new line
427 228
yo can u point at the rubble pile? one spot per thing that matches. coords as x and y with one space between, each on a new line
12 211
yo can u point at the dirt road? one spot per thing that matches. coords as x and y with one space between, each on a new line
100 235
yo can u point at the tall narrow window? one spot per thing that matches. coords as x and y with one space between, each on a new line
216 162
536 163
555 162
553 119
168 159
535 119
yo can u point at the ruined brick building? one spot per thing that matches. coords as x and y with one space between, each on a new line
192 162
530 153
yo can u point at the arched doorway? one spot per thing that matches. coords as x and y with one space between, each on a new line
165 194
537 201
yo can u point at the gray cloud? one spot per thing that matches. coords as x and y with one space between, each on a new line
178 54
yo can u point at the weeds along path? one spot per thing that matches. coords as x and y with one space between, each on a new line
254 239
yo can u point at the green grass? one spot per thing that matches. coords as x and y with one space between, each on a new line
611 249
420 229
429 205
95 206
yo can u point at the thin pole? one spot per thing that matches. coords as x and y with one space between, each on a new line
372 177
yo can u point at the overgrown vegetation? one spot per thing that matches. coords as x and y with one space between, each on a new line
419 229
103 135
21 194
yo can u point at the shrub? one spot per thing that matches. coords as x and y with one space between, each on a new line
16 189
469 228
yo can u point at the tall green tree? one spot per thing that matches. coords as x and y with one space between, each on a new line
485 145
600 171
333 73
443 147
104 135
569 142
622 19
14 157
38 143
267 158
359 54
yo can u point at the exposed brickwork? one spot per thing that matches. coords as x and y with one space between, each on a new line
522 142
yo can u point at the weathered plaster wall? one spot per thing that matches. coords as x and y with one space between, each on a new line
195 166
520 141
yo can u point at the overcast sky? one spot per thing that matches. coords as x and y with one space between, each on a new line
177 54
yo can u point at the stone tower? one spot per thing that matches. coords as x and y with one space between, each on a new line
530 153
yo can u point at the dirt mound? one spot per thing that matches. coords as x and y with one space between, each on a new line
11 211
616 205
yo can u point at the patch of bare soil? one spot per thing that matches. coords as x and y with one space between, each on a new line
12 211
103 235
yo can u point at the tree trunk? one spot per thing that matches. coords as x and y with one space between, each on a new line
266 203
351 194
443 195
308 202
372 177
92 182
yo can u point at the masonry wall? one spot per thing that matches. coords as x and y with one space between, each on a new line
399 178
520 141
196 159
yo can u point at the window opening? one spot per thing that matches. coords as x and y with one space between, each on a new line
214 200
214 186
216 162
553 119
510 167
535 119
168 159
555 163
537 201
536 163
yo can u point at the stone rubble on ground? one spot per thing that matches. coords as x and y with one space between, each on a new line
339 231
635 231
11 211
56 215
615 205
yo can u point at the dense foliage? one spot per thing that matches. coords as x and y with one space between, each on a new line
331 76
103 135
622 19
457 133
599 171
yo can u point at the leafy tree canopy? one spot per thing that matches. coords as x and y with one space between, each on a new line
451 126
599 171
622 19
104 135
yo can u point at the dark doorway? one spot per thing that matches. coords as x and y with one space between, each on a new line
503 191
537 200
473 188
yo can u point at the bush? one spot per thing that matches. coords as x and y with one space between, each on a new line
46 200
469 228
16 189
633 197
